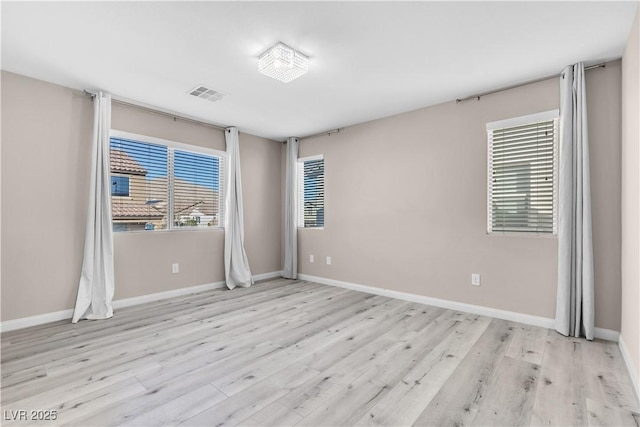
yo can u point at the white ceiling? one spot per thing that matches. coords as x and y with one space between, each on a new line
368 59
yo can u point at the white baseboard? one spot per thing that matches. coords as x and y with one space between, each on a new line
529 319
635 380
25 322
606 334
128 302
265 276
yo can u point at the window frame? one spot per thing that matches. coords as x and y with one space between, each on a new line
521 121
300 191
171 147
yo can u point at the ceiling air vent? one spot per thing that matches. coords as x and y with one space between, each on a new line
206 93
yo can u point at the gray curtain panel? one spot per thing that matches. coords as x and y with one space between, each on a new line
575 299
290 268
96 287
236 263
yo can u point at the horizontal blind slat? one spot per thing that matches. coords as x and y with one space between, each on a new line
311 193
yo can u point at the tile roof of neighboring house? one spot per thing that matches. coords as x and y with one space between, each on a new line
187 196
122 162
130 209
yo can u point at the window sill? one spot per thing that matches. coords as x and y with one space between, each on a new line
172 230
522 234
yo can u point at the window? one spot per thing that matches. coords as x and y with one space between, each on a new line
119 185
311 192
167 185
522 174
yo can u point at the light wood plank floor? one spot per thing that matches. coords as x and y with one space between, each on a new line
298 353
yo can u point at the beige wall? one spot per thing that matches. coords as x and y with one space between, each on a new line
261 188
46 131
630 331
143 260
406 205
45 166
604 92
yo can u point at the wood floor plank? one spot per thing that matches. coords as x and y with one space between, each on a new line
224 350
125 315
54 380
362 369
64 392
84 405
406 400
510 395
181 408
604 379
274 414
209 356
560 396
372 357
146 401
396 321
10 379
311 395
349 402
317 340
334 312
235 409
62 350
603 415
457 402
528 343
253 303
287 352
260 322
392 354
86 360
208 371
130 320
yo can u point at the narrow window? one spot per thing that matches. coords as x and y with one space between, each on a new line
522 174
311 192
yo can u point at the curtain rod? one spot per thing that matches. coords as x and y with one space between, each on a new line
313 135
326 132
477 97
128 103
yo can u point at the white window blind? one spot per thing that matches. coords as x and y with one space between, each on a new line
522 174
311 192
169 187
196 189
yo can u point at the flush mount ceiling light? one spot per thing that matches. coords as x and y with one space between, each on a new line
283 63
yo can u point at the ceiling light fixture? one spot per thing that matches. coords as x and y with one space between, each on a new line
283 63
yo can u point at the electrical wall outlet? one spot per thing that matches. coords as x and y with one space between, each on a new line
175 268
475 279
311 258
328 260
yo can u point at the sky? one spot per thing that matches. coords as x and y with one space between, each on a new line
196 168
